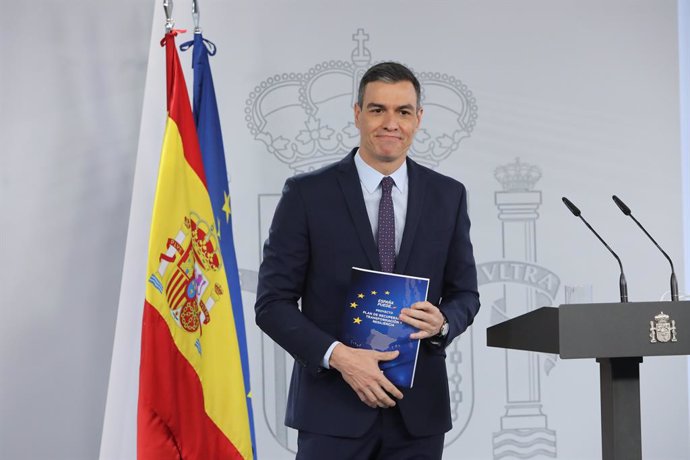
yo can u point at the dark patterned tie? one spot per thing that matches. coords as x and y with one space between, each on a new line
386 234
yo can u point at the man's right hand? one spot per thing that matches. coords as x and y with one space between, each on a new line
360 369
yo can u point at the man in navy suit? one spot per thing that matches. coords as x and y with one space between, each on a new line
327 222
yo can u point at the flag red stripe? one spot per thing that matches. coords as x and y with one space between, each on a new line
180 110
172 422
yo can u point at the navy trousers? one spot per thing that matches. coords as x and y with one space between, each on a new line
387 439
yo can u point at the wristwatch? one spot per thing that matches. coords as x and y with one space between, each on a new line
445 327
440 338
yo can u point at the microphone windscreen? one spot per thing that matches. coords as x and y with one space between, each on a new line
571 206
621 205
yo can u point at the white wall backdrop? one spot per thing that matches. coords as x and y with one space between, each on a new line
684 64
586 94
71 86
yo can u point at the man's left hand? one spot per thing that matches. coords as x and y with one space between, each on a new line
425 317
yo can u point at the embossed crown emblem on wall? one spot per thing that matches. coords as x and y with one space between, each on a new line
518 176
306 121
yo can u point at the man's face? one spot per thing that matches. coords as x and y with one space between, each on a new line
387 122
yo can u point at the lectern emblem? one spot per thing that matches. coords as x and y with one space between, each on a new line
661 330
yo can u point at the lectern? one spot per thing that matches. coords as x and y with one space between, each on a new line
618 336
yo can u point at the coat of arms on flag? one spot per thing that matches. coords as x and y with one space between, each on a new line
182 273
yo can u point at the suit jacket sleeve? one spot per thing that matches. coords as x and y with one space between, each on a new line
460 296
282 276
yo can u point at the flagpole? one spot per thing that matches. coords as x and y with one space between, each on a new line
169 21
195 16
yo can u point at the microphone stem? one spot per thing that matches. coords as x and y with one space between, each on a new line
674 281
622 283
674 287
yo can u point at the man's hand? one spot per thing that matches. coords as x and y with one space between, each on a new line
360 369
425 317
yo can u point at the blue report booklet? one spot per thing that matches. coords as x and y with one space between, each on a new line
371 321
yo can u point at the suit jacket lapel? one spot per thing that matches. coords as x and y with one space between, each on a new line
352 191
415 204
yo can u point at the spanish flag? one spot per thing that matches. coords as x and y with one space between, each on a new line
192 396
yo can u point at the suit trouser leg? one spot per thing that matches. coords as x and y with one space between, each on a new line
387 439
399 444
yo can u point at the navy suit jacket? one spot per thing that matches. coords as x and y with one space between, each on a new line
320 231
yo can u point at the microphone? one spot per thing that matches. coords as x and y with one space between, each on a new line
622 283
627 212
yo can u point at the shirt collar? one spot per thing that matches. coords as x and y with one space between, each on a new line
371 178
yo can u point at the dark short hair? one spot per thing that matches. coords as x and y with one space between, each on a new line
388 72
